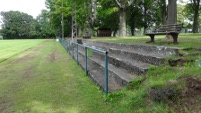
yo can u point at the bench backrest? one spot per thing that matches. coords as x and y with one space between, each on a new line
175 28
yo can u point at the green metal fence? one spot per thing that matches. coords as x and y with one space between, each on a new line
72 46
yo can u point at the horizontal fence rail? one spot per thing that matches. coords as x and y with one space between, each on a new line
72 47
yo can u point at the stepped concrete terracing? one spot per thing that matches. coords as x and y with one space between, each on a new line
125 61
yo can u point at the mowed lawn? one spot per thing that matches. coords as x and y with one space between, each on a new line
185 40
10 48
38 76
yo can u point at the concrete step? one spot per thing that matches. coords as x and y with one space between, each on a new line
157 50
96 73
118 77
149 58
132 66
125 61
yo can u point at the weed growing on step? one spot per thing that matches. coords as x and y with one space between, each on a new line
115 96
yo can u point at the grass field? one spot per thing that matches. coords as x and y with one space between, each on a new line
9 48
40 77
185 40
44 79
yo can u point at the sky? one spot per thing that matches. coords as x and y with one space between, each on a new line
31 7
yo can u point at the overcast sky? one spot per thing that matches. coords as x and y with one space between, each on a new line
31 7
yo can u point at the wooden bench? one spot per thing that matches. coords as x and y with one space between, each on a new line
173 30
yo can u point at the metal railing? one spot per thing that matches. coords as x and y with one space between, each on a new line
70 45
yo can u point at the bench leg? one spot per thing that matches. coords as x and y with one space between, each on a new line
175 36
152 39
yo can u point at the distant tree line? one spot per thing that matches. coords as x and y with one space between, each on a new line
19 25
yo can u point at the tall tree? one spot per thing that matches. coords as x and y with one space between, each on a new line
163 10
196 7
122 5
148 9
107 16
172 12
192 12
16 24
134 17
91 14
46 30
55 15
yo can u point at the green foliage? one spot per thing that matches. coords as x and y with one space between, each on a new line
192 12
136 83
43 25
181 14
20 25
115 96
138 99
16 24
55 15
158 70
107 16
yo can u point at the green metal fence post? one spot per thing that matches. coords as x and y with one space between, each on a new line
106 73
70 46
85 55
72 50
77 53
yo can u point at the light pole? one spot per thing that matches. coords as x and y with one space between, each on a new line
62 23
74 24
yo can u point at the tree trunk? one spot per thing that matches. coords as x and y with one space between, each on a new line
164 12
92 15
172 12
133 30
114 33
122 22
145 20
91 30
196 16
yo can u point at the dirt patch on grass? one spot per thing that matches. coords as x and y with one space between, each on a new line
193 86
39 47
53 57
182 95
190 100
4 105
28 72
23 59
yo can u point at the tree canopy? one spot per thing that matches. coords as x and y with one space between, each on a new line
120 16
19 25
